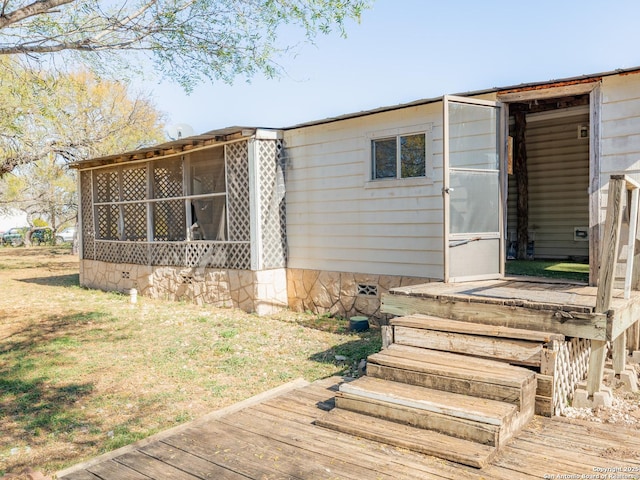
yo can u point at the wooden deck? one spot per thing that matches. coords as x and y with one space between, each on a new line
274 437
540 304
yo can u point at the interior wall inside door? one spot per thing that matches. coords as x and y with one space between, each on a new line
557 145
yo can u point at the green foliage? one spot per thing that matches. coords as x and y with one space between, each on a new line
68 117
549 269
186 40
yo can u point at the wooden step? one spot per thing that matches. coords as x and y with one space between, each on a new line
403 436
455 373
475 419
457 326
468 339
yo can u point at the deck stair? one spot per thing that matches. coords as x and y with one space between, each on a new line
448 388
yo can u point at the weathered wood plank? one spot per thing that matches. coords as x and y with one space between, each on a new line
544 406
231 449
361 452
111 469
619 346
445 424
545 385
461 406
611 240
446 325
81 475
631 242
597 359
464 385
572 324
514 351
423 441
189 463
152 467
387 335
422 360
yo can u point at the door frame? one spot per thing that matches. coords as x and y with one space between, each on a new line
501 129
593 89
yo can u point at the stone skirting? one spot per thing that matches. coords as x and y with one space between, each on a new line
262 292
345 294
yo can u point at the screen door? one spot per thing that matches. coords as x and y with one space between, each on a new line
472 191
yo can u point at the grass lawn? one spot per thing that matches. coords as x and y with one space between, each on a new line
83 372
551 269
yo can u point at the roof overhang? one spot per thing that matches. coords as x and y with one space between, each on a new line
179 147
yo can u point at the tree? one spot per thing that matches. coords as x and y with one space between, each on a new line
187 40
72 116
61 119
44 190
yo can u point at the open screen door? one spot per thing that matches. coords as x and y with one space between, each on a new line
473 213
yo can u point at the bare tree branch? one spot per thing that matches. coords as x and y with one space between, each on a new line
39 7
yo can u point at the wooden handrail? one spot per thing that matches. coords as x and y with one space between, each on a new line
618 186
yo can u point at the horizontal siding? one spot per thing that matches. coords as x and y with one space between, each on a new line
620 132
558 168
337 220
620 112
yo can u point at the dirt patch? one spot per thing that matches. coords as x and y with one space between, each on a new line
625 408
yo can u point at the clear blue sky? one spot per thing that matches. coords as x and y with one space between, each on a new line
404 50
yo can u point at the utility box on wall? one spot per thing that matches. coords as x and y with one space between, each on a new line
580 234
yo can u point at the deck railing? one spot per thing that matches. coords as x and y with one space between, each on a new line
619 186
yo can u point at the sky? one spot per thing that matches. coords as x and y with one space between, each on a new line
405 50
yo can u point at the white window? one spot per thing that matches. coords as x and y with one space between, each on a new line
400 156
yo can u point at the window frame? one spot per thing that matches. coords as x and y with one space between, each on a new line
150 199
397 134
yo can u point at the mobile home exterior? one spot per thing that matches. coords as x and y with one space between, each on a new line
343 209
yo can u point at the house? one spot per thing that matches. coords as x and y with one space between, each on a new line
329 215
409 210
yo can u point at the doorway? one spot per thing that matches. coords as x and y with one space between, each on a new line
548 202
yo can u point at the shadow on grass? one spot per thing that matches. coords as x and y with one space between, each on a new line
39 408
35 397
70 280
348 355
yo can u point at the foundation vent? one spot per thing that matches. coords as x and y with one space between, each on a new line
367 290
126 275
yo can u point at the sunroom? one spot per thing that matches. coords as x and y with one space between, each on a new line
201 218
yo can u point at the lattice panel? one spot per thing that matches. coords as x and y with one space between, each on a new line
169 221
108 217
272 204
106 183
572 364
134 184
167 178
238 201
135 221
86 208
234 256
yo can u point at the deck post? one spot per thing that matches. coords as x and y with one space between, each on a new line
608 262
619 346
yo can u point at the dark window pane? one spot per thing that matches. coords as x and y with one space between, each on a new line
207 172
210 219
384 158
412 156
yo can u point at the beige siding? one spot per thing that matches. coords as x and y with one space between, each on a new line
620 131
558 168
338 220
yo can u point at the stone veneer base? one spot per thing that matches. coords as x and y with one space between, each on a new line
338 293
263 292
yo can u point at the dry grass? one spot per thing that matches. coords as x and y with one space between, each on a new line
83 372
